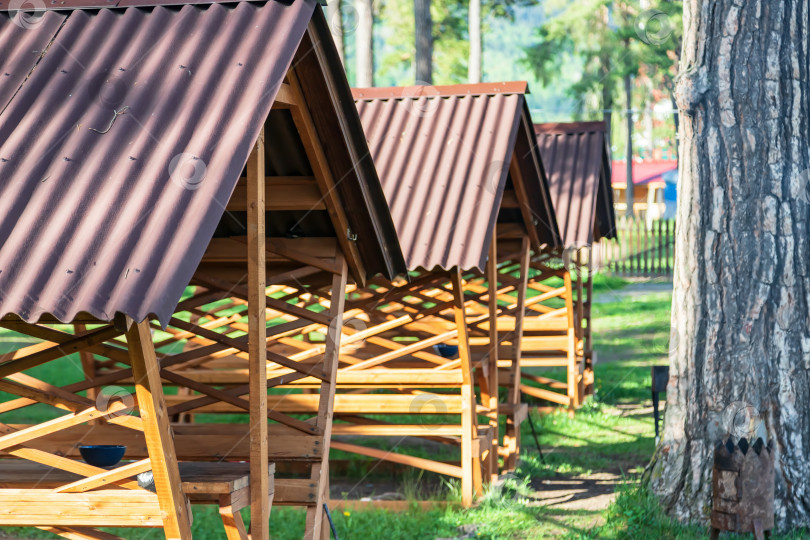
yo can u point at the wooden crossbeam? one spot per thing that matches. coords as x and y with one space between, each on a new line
106 478
229 397
241 292
68 344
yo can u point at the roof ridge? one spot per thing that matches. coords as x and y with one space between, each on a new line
427 90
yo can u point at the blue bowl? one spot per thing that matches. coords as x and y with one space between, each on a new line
448 351
102 455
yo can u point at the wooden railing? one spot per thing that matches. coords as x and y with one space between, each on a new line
641 250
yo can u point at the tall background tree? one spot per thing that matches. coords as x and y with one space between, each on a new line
335 18
618 44
364 43
423 38
740 347
476 43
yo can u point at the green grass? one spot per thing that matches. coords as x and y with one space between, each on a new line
603 436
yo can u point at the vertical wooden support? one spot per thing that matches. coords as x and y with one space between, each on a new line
316 527
512 436
158 433
573 383
580 323
470 464
588 337
490 398
88 365
257 344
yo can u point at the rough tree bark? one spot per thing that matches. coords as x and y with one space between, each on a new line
742 278
423 36
476 44
364 43
335 17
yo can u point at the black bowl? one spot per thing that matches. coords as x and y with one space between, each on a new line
102 455
448 351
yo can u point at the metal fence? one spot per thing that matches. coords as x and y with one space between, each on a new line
641 250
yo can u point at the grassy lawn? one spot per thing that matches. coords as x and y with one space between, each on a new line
585 458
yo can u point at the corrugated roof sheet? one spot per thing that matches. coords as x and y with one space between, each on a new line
443 156
121 149
576 161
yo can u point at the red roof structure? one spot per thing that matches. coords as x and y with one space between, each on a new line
443 155
124 133
644 171
576 160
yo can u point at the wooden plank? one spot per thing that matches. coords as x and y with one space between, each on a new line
242 292
20 437
419 463
285 96
315 522
43 457
287 193
296 492
152 409
229 397
257 341
106 478
344 403
107 508
548 395
470 466
512 436
490 397
65 348
193 442
80 533
302 118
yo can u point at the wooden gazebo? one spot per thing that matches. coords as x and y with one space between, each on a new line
557 329
175 159
455 210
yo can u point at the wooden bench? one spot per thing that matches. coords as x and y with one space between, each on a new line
31 494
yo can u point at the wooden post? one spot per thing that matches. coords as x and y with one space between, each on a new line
512 437
257 344
315 526
491 394
158 433
470 464
573 394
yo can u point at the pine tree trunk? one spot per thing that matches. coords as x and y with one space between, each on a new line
740 345
630 191
476 44
364 43
423 36
335 17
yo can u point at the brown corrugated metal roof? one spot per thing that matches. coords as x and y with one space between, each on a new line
121 149
578 168
443 156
